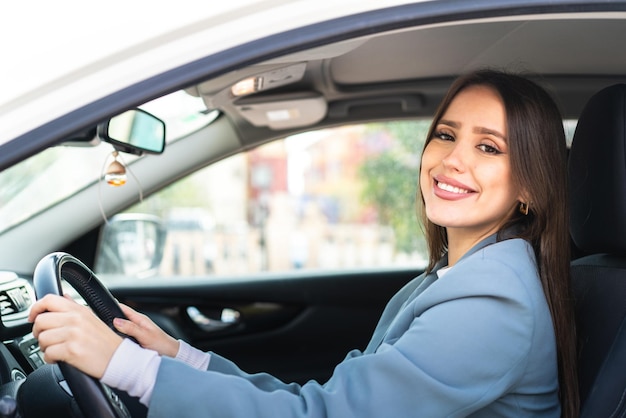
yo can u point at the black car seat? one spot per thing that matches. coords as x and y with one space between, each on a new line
597 175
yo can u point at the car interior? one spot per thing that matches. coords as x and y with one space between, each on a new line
370 68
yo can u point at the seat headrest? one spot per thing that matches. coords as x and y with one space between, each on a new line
597 174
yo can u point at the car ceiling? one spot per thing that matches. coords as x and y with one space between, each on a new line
404 73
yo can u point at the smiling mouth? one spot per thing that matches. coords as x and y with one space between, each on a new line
452 189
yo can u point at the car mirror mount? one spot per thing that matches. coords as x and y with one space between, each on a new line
135 132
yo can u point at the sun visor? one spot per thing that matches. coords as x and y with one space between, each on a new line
284 111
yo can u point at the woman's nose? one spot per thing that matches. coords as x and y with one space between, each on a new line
455 158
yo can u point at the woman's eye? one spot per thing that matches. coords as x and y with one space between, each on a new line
489 149
443 136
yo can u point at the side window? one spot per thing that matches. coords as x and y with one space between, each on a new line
330 199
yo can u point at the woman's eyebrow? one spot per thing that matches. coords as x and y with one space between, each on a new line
487 131
450 123
476 130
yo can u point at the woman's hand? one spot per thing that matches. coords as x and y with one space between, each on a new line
72 333
146 332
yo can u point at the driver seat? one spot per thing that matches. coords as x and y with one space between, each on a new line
597 183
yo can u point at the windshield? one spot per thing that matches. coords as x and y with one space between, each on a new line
83 165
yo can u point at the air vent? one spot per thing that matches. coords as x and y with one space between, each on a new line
14 300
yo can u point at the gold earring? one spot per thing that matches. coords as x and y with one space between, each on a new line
524 208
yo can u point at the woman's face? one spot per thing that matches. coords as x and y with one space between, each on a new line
465 174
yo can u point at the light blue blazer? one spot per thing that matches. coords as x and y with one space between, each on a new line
476 342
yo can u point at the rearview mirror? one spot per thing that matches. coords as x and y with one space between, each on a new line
134 131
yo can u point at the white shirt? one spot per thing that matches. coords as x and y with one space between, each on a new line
134 369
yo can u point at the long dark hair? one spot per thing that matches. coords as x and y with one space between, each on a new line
538 156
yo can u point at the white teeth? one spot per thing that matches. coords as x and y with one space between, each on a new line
451 189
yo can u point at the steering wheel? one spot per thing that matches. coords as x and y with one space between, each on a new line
93 398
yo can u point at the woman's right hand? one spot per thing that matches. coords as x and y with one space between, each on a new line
146 332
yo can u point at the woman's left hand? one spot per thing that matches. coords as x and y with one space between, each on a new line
72 333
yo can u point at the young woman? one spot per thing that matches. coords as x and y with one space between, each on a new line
487 330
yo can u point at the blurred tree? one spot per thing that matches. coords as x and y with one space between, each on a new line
391 178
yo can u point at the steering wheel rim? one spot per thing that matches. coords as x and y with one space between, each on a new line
93 398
